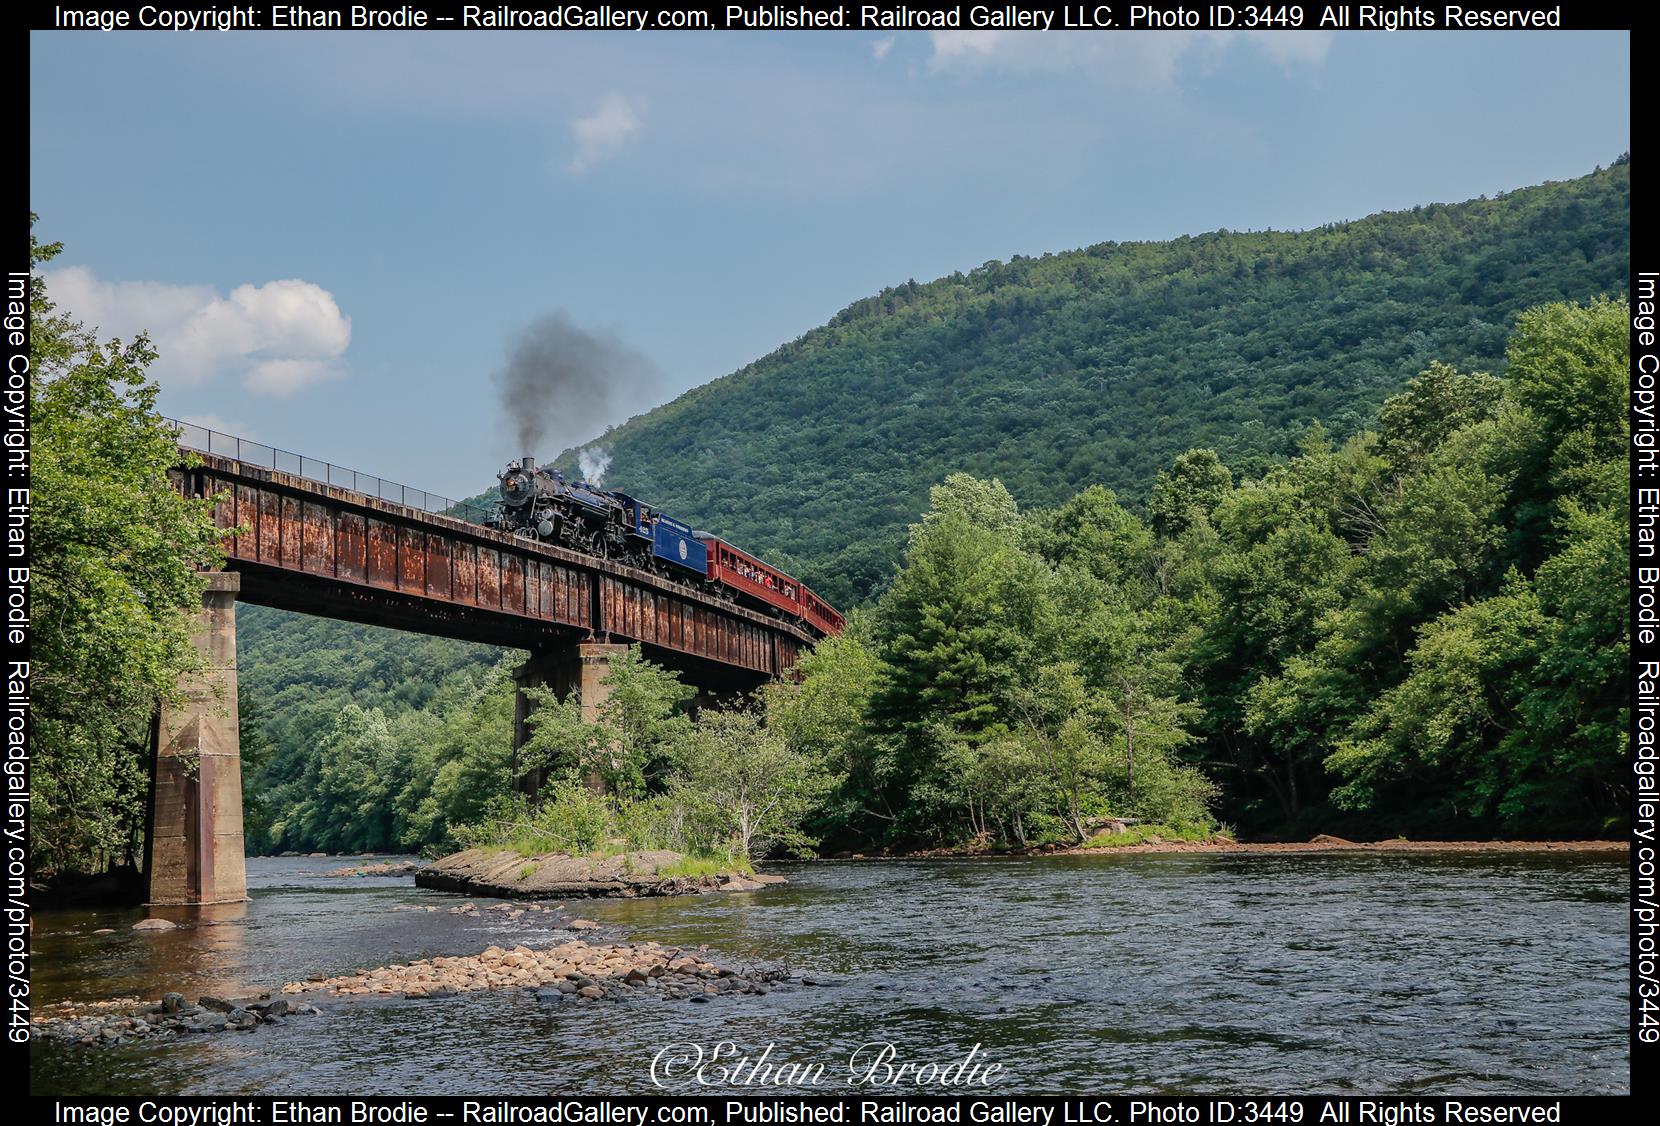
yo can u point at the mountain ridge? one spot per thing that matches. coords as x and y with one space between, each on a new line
1099 365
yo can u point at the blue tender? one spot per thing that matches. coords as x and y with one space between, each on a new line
673 541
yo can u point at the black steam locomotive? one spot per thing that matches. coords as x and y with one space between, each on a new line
540 503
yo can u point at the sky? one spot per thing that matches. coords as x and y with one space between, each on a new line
339 240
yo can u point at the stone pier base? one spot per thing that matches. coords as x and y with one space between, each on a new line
194 851
577 668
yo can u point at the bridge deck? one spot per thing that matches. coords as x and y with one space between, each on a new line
325 550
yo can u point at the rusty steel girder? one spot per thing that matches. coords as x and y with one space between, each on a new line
318 548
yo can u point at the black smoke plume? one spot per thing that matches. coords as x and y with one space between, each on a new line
564 384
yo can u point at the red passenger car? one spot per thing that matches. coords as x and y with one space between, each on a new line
746 575
821 614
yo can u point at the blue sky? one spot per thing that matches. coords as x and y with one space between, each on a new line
336 238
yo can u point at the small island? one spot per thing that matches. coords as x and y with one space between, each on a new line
506 873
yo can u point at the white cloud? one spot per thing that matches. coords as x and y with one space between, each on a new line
278 337
882 46
284 377
604 133
952 45
1149 61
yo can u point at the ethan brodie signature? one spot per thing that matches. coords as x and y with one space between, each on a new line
874 1065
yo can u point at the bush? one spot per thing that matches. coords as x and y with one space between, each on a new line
568 818
571 819
1156 833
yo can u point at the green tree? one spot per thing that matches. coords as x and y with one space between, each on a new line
645 724
559 740
823 711
957 629
1435 404
462 764
115 580
1059 721
348 797
1094 534
1189 490
986 505
743 780
1278 569
1512 707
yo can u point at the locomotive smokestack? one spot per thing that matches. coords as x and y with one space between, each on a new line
527 463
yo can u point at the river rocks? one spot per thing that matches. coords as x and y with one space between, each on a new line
385 868
574 969
427 993
154 925
506 874
104 930
129 1020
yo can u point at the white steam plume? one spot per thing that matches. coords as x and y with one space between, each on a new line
594 460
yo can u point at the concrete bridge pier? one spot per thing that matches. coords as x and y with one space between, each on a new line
579 668
193 850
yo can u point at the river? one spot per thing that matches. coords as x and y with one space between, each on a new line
1423 972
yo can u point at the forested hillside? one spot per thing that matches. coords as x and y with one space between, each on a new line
1098 366
297 674
1422 629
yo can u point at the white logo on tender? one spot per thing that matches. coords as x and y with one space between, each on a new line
682 549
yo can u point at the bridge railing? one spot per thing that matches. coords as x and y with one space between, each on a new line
192 436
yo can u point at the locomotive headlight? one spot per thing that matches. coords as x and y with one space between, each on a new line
515 487
545 529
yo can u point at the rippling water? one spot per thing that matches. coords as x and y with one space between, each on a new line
1441 973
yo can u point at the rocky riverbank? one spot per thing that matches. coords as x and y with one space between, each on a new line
574 971
1223 844
1323 843
130 1020
506 874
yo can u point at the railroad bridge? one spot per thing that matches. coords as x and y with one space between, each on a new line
372 552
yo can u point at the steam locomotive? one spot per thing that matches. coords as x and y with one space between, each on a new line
540 503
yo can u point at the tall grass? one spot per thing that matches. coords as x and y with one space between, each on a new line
572 820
